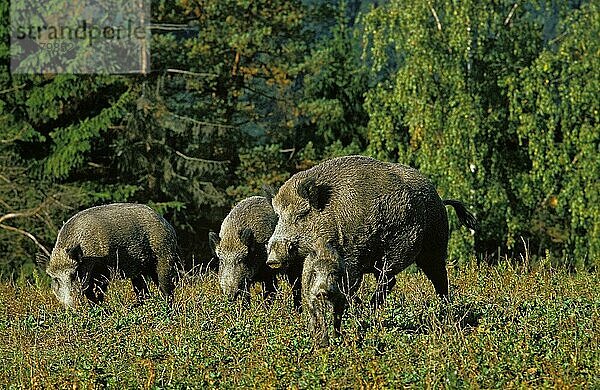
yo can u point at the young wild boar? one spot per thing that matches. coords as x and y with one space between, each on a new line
381 217
241 250
321 290
128 239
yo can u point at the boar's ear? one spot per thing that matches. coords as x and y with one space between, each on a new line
268 192
247 237
213 240
75 253
318 195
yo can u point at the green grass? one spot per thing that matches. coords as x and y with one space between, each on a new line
506 327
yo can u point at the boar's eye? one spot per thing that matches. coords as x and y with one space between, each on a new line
242 257
301 214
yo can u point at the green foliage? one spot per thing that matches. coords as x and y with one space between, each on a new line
465 95
555 105
507 326
333 88
71 144
260 167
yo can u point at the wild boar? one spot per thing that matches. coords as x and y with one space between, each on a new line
121 238
322 292
240 248
380 216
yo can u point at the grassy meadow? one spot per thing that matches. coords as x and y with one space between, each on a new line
507 327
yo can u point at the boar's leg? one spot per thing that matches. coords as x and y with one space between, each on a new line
269 289
315 299
140 287
385 282
325 308
97 284
338 310
297 295
95 291
438 276
294 276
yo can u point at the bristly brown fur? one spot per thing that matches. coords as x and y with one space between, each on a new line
131 239
382 217
240 247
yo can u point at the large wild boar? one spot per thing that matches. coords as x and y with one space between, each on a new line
381 217
120 238
240 247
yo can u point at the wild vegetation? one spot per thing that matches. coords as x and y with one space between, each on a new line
509 326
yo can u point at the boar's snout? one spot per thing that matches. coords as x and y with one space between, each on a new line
280 252
66 288
232 288
273 261
231 293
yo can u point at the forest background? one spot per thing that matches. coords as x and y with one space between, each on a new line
497 102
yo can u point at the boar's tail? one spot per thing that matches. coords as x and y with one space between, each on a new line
464 216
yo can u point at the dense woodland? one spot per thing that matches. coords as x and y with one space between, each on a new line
497 102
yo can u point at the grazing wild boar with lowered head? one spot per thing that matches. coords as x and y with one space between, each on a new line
240 248
122 238
322 295
380 216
